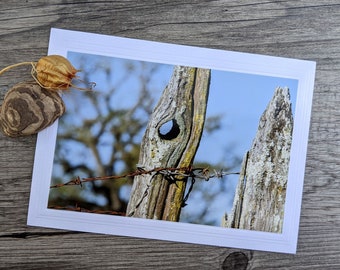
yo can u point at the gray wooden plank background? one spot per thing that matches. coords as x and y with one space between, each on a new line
299 29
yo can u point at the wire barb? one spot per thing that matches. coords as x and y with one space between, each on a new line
171 174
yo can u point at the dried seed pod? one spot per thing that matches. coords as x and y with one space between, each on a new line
28 108
54 72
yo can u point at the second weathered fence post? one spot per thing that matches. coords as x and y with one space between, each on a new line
260 196
182 106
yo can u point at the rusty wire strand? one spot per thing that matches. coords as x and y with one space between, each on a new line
82 209
172 174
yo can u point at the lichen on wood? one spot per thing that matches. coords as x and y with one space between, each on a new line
261 192
182 106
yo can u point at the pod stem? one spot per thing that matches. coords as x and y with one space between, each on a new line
16 65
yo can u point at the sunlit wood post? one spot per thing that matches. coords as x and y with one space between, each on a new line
182 106
261 192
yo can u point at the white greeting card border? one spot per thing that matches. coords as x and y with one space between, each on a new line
63 41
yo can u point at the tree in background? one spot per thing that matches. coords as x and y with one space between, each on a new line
101 131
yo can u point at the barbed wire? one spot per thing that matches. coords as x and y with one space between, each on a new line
85 210
170 173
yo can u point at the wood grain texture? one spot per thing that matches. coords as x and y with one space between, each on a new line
260 196
298 29
182 106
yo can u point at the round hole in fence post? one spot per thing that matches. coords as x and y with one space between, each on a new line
169 130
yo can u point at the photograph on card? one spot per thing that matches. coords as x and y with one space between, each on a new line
174 143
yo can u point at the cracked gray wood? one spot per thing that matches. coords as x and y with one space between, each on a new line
182 106
297 29
261 192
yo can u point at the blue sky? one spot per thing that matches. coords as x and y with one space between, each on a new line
241 99
238 98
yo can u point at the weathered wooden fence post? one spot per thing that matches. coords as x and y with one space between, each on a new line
261 192
182 105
